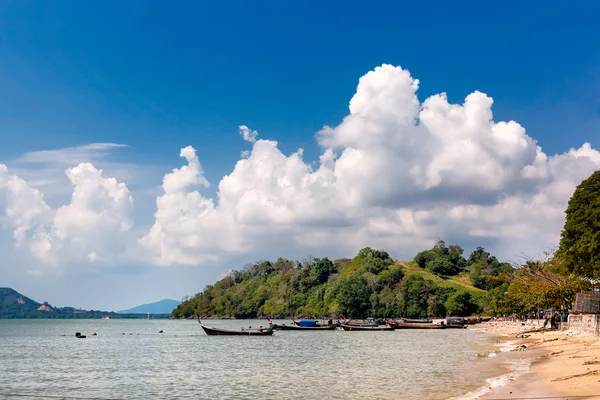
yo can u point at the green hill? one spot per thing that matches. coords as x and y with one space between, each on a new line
459 282
14 303
439 282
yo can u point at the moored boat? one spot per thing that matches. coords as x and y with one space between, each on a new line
211 330
354 322
347 327
312 323
414 325
285 327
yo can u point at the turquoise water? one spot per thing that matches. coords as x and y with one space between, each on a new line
184 363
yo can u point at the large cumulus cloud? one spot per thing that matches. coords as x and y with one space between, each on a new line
397 173
94 226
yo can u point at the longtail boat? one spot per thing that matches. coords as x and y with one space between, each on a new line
414 325
285 327
417 321
367 328
311 323
210 330
359 323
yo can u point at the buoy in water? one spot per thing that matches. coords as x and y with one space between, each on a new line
79 335
94 334
160 331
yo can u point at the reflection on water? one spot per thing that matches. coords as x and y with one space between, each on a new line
184 363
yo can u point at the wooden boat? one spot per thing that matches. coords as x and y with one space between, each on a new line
414 325
359 323
311 323
210 330
305 328
367 328
417 321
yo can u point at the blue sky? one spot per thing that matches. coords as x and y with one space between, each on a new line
158 78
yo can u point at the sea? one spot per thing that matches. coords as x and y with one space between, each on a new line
130 359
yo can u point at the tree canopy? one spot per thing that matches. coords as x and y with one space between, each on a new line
442 259
370 284
580 239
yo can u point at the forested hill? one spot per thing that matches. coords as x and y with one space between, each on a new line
439 282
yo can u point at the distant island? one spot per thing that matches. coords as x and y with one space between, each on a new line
165 306
14 305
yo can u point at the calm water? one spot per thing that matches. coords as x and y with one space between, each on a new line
184 363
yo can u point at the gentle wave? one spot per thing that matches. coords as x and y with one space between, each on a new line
517 368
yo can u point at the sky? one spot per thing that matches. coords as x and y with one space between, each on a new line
146 149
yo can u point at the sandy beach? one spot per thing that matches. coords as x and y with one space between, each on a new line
562 366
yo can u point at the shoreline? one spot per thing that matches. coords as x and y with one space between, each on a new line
559 366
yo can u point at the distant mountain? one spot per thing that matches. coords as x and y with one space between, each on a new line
164 306
14 303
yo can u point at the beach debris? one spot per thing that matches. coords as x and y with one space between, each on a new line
522 347
591 362
549 340
564 378
522 336
555 353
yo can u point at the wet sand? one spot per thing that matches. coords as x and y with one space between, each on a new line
563 366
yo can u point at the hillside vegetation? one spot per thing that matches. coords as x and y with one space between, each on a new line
439 282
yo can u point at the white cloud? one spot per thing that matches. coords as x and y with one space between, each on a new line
71 155
248 134
396 173
93 226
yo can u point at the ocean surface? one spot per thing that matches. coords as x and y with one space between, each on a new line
129 359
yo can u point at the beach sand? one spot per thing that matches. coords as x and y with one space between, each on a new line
562 366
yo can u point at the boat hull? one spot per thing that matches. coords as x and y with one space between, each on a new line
211 331
367 328
305 328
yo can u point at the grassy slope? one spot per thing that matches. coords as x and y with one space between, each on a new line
459 282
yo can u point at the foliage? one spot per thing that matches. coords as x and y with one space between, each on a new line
460 303
354 297
370 284
580 239
485 271
537 284
442 259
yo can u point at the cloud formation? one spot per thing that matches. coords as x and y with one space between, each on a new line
71 155
248 134
396 173
92 227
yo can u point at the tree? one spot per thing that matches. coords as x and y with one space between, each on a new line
460 304
580 239
368 252
442 259
353 296
478 256
322 269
